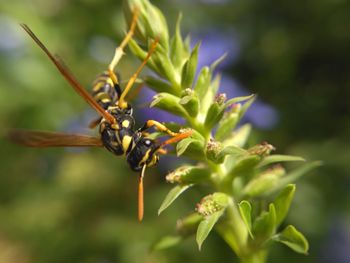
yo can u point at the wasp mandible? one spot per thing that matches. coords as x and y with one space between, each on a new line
116 123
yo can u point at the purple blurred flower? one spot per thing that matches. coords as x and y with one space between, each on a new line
214 45
336 249
11 38
260 114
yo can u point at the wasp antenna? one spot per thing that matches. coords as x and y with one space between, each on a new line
68 75
140 194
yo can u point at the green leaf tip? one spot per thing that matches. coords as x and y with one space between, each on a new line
172 196
205 227
245 210
294 239
283 202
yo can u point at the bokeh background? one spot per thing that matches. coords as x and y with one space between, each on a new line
60 205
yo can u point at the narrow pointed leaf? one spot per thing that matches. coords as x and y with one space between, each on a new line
294 239
205 226
277 158
245 209
226 126
265 225
172 195
159 85
189 69
217 62
203 82
294 175
167 242
239 99
214 115
239 137
260 185
168 102
283 201
177 50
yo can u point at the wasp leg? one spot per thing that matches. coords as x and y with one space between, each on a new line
122 103
159 126
162 151
119 50
177 137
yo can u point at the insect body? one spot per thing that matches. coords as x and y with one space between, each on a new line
116 122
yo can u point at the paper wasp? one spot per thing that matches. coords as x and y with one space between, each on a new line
116 123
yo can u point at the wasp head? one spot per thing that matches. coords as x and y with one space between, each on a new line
143 153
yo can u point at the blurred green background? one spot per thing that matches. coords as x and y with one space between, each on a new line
59 205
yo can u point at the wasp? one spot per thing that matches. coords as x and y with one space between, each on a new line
116 122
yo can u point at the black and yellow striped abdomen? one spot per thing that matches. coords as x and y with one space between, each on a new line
105 91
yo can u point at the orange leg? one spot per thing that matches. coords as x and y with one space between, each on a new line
122 103
159 126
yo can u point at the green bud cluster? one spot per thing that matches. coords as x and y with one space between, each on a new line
237 175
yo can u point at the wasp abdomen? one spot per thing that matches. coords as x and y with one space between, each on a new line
105 91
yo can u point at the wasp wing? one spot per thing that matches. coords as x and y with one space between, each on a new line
42 139
68 75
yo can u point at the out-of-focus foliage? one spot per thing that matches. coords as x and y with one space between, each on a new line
64 206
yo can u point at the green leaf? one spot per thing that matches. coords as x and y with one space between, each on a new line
260 185
282 203
159 85
191 146
205 226
177 49
240 99
161 64
292 238
245 209
239 137
172 195
191 103
189 69
203 83
217 62
167 242
168 102
294 175
246 105
265 225
214 115
277 158
247 163
226 125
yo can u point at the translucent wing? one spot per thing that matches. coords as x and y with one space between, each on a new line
70 77
42 139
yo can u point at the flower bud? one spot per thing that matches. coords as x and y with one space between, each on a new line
213 203
262 149
188 175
